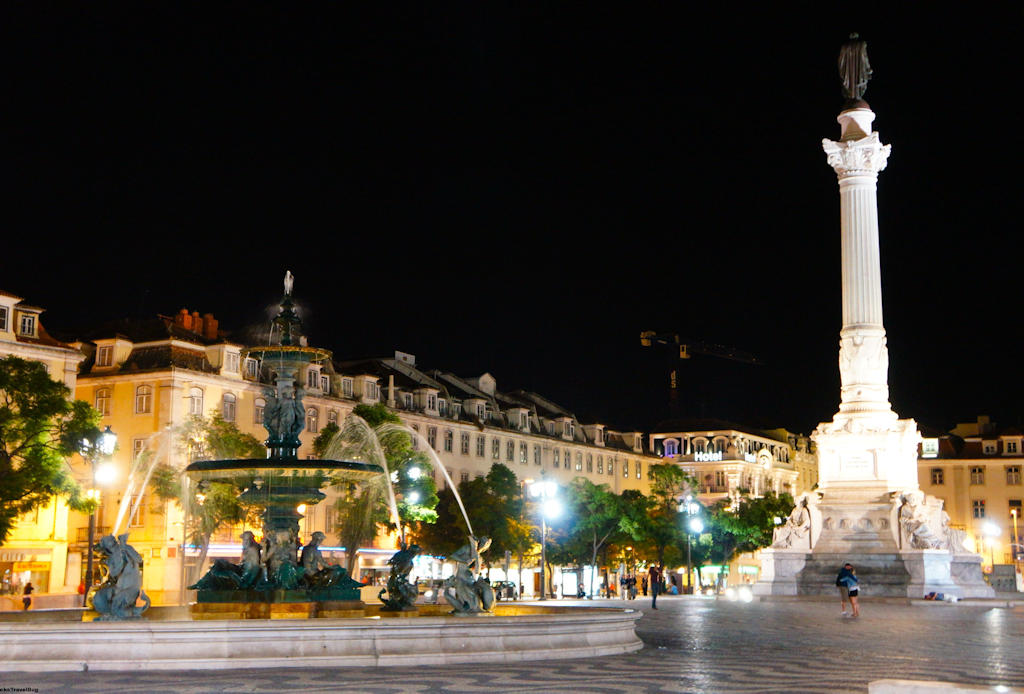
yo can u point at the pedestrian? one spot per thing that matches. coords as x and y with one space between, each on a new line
26 600
848 589
631 584
643 585
654 574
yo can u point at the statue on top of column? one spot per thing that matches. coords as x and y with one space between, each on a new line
854 68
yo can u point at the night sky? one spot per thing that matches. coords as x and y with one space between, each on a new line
522 189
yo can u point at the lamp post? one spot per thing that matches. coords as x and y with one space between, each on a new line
102 446
1015 546
546 492
690 507
991 531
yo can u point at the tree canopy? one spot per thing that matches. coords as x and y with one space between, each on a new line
40 428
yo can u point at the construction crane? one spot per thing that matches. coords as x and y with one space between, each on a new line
683 348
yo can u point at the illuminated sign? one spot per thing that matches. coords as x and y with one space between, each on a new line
749 457
929 448
712 457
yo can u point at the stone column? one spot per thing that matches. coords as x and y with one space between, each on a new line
863 356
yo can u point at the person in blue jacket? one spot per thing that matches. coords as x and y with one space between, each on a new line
848 589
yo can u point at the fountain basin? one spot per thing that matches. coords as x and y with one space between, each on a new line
514 633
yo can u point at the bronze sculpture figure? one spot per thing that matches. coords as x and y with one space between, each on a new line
854 68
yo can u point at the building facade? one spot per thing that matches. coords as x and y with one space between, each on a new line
976 470
37 549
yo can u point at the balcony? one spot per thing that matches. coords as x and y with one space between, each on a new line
82 534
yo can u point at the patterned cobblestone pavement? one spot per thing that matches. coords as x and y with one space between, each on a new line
691 645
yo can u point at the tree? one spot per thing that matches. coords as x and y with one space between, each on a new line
40 428
751 525
210 506
596 515
376 434
661 528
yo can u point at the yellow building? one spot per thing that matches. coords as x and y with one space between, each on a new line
37 549
976 469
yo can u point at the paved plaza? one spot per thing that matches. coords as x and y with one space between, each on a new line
691 645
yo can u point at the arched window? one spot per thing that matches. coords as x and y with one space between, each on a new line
700 446
195 402
143 399
259 406
228 405
103 401
671 447
312 420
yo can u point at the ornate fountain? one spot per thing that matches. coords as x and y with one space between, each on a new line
272 571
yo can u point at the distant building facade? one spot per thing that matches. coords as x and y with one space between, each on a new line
976 469
37 549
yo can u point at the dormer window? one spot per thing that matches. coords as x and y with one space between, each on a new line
251 368
313 378
231 362
442 407
105 355
407 400
988 447
431 401
325 383
671 447
4 318
1011 446
346 387
27 326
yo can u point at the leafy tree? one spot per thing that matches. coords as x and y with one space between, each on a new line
751 525
210 506
596 515
661 528
40 428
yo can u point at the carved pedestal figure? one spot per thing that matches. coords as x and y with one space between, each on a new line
116 597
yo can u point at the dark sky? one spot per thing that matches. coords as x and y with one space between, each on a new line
522 189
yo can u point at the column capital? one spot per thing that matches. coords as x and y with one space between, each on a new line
856 157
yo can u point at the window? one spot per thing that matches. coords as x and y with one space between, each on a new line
464 443
579 461
346 387
536 455
524 421
510 451
371 390
480 411
231 362
138 517
463 476
1013 474
600 465
28 325
977 475
638 466
432 437
312 377
104 355
481 446
556 461
251 368
1015 505
415 436
143 399
332 417
938 476
611 466
3 318
259 405
671 447
590 462
312 420
449 440
431 401
625 468
195 402
1011 447
325 383
978 507
407 400
138 446
988 447
442 407
522 453
229 406
721 480
496 449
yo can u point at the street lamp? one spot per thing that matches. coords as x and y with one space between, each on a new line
546 492
92 451
691 508
1015 546
991 531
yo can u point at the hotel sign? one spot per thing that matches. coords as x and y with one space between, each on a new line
712 457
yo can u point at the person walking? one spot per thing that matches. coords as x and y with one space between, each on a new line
654 575
847 583
26 600
643 585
